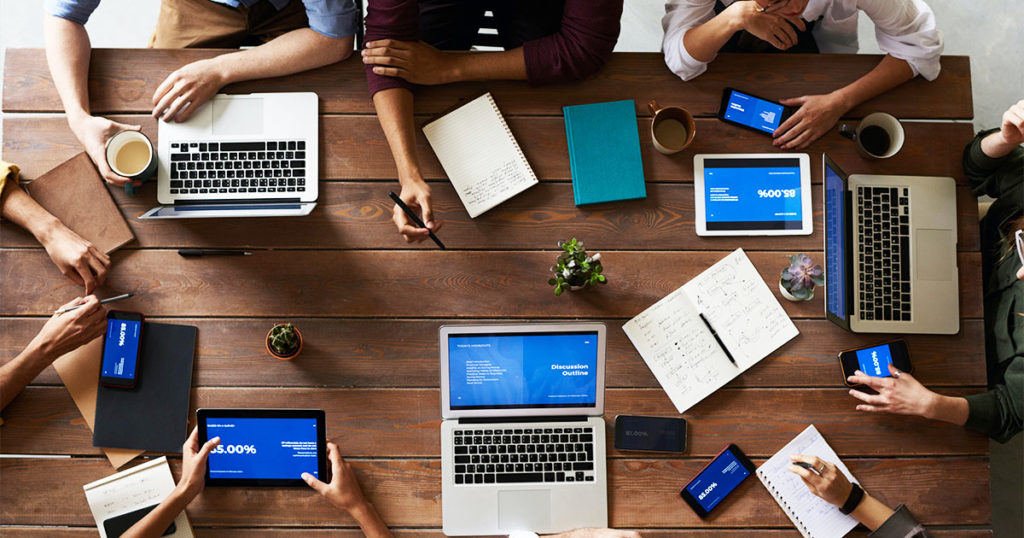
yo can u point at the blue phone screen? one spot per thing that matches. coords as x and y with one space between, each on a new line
121 348
754 112
718 480
875 361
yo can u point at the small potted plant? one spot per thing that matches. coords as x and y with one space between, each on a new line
574 269
799 279
284 341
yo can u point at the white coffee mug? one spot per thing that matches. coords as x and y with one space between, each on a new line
133 162
878 135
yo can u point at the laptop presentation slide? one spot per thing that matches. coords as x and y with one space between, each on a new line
264 447
835 248
753 196
510 371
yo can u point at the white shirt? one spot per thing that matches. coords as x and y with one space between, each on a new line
905 29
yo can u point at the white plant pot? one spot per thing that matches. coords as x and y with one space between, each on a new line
789 296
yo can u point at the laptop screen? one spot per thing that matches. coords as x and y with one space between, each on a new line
523 370
835 242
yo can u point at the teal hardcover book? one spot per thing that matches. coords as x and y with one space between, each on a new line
604 152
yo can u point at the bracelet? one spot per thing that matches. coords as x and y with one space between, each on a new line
856 496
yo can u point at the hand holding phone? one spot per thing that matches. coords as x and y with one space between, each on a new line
122 350
874 360
752 112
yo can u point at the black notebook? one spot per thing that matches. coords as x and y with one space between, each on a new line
154 415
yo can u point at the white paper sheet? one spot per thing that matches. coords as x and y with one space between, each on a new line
141 486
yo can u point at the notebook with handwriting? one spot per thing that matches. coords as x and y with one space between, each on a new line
812 516
481 157
681 350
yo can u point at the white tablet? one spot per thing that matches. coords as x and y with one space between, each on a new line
753 194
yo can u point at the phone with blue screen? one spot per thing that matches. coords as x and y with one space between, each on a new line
875 360
122 347
717 480
752 112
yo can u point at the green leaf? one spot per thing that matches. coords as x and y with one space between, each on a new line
602 279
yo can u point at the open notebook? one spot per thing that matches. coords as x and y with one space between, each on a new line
481 157
681 351
812 516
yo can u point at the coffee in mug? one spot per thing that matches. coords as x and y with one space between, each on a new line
130 154
672 128
879 135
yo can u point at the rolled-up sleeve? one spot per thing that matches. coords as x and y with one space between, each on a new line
905 29
332 18
680 17
390 19
72 10
580 48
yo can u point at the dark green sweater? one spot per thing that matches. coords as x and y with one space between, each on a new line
1000 411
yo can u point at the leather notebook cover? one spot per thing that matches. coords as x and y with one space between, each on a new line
75 193
154 415
604 152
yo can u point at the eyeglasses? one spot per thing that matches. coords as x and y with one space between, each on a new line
772 7
1019 236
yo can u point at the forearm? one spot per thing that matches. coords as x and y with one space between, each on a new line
950 409
871 512
888 74
296 51
506 65
18 207
703 42
18 373
161 517
995 146
67 53
394 110
370 521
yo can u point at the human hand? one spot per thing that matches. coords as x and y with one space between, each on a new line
830 484
193 465
93 132
816 115
415 194
776 29
343 491
184 91
68 331
900 394
414 61
76 258
1012 130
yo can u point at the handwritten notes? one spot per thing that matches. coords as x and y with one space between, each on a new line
481 157
812 516
680 350
141 486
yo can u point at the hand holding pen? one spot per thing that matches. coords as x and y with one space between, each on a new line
412 216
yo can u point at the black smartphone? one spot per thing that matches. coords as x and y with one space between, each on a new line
752 112
122 350
875 360
118 525
652 434
717 480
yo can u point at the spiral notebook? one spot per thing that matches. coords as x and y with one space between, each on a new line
812 516
481 157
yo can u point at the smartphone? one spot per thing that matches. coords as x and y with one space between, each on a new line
652 434
717 480
875 360
752 112
122 346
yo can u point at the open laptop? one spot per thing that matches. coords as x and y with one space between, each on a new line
252 155
523 438
890 253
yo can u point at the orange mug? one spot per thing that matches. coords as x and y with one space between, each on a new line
672 128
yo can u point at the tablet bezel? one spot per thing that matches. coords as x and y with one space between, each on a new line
202 415
807 214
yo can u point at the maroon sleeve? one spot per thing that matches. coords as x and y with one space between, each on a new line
589 31
390 19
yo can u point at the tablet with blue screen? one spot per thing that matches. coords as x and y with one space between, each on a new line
753 194
264 447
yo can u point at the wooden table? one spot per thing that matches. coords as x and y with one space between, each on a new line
369 305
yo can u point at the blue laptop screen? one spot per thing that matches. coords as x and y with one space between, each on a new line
515 370
835 243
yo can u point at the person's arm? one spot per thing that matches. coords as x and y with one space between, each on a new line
61 333
994 160
76 258
904 395
345 494
67 53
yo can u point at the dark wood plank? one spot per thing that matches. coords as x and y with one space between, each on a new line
123 80
642 493
394 284
403 423
353 147
403 353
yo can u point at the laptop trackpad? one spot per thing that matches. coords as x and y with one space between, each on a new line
238 116
936 255
524 510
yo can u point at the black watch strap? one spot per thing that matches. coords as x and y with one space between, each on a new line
856 496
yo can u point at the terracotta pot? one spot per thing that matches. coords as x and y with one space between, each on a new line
266 342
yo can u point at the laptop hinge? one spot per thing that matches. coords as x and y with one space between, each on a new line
495 420
220 201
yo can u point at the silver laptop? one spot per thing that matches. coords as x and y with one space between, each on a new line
250 155
890 253
523 436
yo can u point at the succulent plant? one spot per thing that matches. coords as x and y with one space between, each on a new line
283 339
575 269
802 275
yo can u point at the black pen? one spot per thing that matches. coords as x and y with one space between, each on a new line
197 252
414 218
807 466
718 339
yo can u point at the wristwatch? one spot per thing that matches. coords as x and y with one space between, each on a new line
856 496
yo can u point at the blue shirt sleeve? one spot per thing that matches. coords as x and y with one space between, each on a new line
333 18
72 10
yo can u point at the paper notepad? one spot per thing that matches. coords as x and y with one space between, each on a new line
141 486
481 157
680 350
812 516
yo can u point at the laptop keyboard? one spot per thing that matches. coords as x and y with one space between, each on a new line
884 264
238 167
524 455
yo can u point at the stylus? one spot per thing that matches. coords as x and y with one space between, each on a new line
719 340
411 215
104 301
